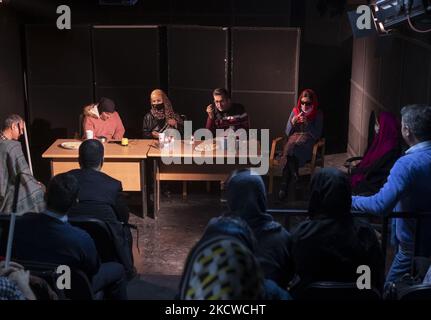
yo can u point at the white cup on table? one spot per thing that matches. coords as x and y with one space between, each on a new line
161 139
89 134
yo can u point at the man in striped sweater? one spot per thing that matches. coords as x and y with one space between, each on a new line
225 114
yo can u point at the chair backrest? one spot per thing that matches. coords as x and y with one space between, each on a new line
337 291
101 234
416 292
80 286
318 157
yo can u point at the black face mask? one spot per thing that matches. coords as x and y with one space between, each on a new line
158 106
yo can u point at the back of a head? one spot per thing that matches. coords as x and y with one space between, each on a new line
62 193
91 153
418 118
331 193
246 194
223 269
10 120
230 226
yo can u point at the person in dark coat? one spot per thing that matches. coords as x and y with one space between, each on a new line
246 198
160 117
48 237
333 244
100 197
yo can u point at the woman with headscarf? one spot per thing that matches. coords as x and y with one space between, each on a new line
222 266
333 244
303 129
246 198
160 117
371 173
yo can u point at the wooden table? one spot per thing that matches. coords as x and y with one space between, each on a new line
193 171
127 164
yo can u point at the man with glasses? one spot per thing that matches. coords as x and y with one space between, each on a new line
225 114
14 166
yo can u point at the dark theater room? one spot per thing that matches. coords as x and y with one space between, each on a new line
215 150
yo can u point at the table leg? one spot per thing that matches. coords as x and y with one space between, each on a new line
156 187
144 191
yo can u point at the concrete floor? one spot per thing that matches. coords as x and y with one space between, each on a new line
165 242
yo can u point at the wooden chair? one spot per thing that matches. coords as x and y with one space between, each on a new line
317 160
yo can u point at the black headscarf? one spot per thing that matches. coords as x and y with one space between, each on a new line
331 194
246 198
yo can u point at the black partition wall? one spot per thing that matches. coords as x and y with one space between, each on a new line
68 69
60 78
265 74
59 83
127 69
198 63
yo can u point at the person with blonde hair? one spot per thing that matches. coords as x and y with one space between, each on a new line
161 116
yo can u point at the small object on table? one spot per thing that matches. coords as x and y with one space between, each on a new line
72 145
124 142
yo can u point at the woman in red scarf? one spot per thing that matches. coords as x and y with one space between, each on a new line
303 129
370 174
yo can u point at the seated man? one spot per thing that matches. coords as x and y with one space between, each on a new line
103 120
49 238
100 197
13 163
407 189
333 244
225 114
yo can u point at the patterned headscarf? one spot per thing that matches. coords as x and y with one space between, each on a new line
225 269
167 112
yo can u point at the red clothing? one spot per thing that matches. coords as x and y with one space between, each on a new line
314 104
112 128
235 117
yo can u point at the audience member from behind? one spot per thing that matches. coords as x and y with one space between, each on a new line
103 120
333 244
246 198
14 166
100 197
49 238
222 266
15 283
371 173
407 189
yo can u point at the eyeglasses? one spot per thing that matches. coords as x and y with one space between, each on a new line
306 103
